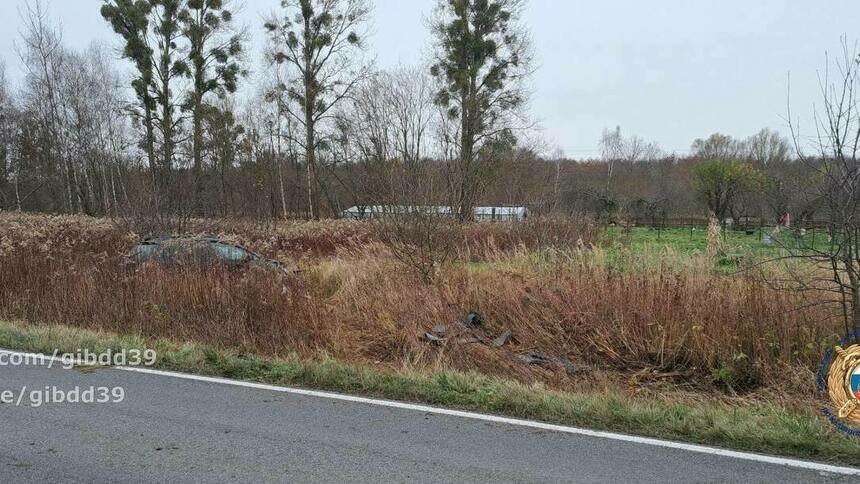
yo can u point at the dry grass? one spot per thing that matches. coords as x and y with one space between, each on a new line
637 328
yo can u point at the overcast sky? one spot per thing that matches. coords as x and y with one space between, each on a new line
667 70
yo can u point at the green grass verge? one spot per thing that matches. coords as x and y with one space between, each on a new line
759 428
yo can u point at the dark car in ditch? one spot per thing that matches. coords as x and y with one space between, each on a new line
199 251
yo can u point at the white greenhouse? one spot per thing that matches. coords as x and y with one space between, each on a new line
480 213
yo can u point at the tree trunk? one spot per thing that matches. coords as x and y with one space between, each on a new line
855 307
17 195
313 195
166 120
150 135
310 140
154 166
197 149
166 151
466 197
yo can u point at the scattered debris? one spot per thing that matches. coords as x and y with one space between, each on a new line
468 332
502 339
441 332
532 358
473 320
433 338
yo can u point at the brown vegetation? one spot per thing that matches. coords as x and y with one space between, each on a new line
353 300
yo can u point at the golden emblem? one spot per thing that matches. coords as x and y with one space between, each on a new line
842 383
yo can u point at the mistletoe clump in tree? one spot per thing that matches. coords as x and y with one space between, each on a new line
317 42
214 67
483 57
168 41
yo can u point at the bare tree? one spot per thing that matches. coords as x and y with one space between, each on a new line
76 89
614 148
768 147
369 118
618 151
43 56
317 40
718 147
832 155
771 153
7 172
386 124
611 150
411 101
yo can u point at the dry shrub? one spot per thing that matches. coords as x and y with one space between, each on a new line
716 245
61 236
423 242
256 309
286 240
734 332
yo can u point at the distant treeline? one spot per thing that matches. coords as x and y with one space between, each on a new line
322 130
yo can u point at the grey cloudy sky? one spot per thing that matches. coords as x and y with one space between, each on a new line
667 70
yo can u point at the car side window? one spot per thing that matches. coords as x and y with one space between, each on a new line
144 252
230 253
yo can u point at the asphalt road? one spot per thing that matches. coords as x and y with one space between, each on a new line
171 429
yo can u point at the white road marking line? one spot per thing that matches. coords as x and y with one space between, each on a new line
800 464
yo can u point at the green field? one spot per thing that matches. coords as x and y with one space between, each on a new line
692 239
